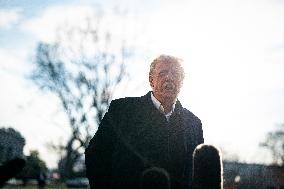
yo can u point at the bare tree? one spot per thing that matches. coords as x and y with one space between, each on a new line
274 142
82 67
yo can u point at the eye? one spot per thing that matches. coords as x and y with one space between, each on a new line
176 74
163 73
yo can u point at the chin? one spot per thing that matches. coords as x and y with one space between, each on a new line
170 96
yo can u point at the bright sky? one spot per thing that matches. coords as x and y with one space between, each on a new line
233 52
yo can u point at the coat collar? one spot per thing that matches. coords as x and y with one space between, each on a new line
146 99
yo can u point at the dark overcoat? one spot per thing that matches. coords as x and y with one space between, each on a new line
134 136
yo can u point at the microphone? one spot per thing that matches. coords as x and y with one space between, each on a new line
155 178
10 169
207 168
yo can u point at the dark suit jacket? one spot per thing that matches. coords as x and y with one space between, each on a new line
134 136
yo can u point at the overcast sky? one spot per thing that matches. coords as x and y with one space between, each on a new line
233 52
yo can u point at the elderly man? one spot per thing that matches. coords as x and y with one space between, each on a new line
139 133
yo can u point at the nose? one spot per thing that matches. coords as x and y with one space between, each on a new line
170 75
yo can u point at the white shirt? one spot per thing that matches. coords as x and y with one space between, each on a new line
159 106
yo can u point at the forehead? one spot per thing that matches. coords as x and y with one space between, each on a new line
168 65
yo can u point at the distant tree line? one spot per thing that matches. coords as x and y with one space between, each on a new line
274 142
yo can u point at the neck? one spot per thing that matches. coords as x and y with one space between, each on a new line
167 108
167 104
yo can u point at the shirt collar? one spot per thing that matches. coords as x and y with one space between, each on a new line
160 107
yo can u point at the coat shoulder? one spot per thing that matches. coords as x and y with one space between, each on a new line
124 104
125 101
191 117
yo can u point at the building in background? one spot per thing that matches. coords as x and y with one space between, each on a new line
253 176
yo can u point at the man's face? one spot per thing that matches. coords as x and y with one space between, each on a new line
166 80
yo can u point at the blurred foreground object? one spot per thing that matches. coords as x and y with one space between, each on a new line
207 168
10 169
155 178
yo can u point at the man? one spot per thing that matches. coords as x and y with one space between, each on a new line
142 132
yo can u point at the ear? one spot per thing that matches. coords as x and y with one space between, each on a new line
151 81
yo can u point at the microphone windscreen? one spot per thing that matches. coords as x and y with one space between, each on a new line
155 178
207 167
10 169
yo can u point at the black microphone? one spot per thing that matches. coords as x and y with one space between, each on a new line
155 178
10 169
207 168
